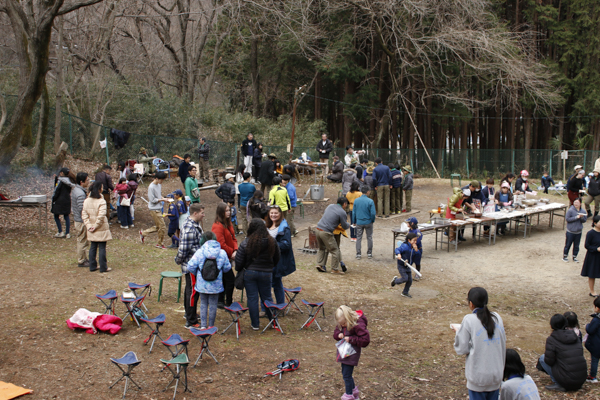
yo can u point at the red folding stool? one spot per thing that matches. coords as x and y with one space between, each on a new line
313 311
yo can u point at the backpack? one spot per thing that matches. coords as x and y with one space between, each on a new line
210 271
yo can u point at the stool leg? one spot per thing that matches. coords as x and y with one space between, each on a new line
179 291
160 289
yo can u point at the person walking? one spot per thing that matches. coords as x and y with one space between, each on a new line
382 179
155 200
203 154
576 217
334 215
363 217
107 183
591 263
248 147
78 196
61 202
98 231
324 147
223 229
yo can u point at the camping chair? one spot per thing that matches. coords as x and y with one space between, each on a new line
291 298
110 296
157 162
134 308
140 171
146 288
236 310
275 309
178 343
181 362
158 322
131 361
204 335
313 311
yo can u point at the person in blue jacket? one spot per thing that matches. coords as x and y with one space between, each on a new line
406 252
413 227
363 217
280 230
289 214
592 344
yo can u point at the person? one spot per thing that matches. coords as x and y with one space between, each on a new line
503 198
183 170
576 217
278 168
189 243
124 170
176 209
508 178
591 262
104 177
191 185
279 196
209 290
258 255
292 171
291 189
455 206
592 344
247 191
593 193
547 181
475 202
413 227
267 173
575 185
145 158
226 192
382 180
348 178
363 217
234 219
132 182
78 196
407 188
334 215
368 179
248 147
238 180
517 385
61 202
155 200
279 229
352 195
352 328
563 358
396 190
257 208
98 231
124 192
324 147
482 339
404 254
573 323
522 184
223 229
488 191
203 155
352 156
337 170
257 160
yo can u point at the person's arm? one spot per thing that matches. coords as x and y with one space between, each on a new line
226 264
328 146
344 221
219 191
353 219
462 340
572 215
374 178
276 255
285 243
240 257
360 338
550 353
337 332
85 217
372 211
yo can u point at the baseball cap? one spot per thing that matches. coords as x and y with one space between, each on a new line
229 176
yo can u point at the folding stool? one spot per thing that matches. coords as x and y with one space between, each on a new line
110 296
158 322
295 291
181 362
204 335
275 309
146 287
313 311
134 308
131 361
176 341
236 310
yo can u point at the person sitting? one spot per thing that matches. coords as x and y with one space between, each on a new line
145 158
455 206
517 385
336 171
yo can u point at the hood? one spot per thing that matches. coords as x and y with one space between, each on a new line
211 249
457 190
348 170
362 320
282 227
66 181
565 336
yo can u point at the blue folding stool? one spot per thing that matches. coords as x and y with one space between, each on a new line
236 310
313 311
110 296
204 335
146 287
158 322
275 309
131 361
295 291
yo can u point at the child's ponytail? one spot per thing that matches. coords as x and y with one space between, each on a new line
479 297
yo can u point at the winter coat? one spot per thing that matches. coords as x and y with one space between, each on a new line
369 181
408 253
124 191
574 224
396 178
94 215
78 196
245 149
407 182
226 192
226 238
593 341
591 263
61 198
564 353
548 181
257 158
328 147
204 151
382 176
107 183
347 179
266 173
575 184
456 197
287 262
594 186
522 185
264 262
183 172
359 338
209 250
134 186
336 172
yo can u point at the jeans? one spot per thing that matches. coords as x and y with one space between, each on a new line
59 225
191 313
277 285
594 367
546 367
257 284
405 276
572 239
352 230
101 246
208 302
124 215
226 297
359 233
484 395
347 371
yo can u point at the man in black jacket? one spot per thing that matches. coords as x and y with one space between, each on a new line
203 152
183 169
226 191
324 147
593 193
266 174
248 147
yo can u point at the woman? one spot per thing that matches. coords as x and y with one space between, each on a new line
132 182
348 178
61 202
257 208
352 195
574 185
258 255
509 178
522 185
591 263
239 179
257 160
223 229
517 384
576 217
503 198
278 168
124 170
98 231
279 230
337 170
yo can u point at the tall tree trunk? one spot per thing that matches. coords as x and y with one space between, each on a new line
254 75
318 88
40 141
527 132
59 87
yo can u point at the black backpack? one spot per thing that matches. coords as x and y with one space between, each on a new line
210 271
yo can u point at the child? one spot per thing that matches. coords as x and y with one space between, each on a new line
406 251
407 188
291 189
352 327
547 181
279 196
396 191
573 323
209 290
233 217
517 385
592 344
124 191
176 208
352 195
413 225
226 191
132 182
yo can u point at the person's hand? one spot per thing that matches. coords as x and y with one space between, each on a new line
578 215
391 187
347 339
399 257
92 229
233 255
598 249
341 336
415 247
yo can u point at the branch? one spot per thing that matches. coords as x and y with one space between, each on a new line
78 5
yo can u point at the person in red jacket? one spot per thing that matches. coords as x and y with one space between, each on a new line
351 327
223 229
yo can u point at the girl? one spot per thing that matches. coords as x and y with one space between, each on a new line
278 168
352 195
124 170
591 263
223 229
576 217
124 191
482 339
61 201
509 178
413 225
517 385
503 198
573 323
257 208
132 182
574 185
279 229
351 327
98 231
209 290
239 179
592 344
406 252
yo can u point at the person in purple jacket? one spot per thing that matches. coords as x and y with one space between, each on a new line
351 327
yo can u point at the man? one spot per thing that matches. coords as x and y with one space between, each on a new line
396 191
248 146
278 196
191 185
154 205
246 190
266 174
475 201
189 243
291 189
226 191
145 158
324 147
382 180
407 188
337 170
183 168
203 168
363 217
334 215
455 206
351 156
593 194
107 186
78 196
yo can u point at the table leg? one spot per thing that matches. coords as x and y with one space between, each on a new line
46 204
40 218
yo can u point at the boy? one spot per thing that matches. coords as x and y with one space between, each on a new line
176 208
155 200
547 181
396 191
279 196
593 341
407 187
226 191
291 189
246 190
406 251
183 170
191 185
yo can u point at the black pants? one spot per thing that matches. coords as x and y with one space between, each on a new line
226 297
572 239
191 311
347 371
94 247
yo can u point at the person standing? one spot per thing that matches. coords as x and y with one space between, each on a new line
334 215
191 185
107 183
246 190
248 147
189 243
382 179
352 195
352 157
349 178
363 217
61 202
396 190
576 217
593 193
155 200
78 196
574 186
98 231
279 196
257 160
278 228
324 147
183 170
267 173
291 189
223 229
203 154
407 188
591 263
226 191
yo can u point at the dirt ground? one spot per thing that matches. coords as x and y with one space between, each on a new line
411 354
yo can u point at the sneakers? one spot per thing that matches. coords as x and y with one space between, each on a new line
60 235
353 239
142 237
321 268
68 236
173 246
358 256
262 314
406 295
369 255
344 269
160 246
565 259
195 326
394 281
574 258
591 379
453 242
131 226
462 239
556 387
124 227
85 264
255 328
337 272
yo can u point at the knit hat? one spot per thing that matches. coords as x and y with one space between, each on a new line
466 192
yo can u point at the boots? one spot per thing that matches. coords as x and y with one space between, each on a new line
347 397
355 393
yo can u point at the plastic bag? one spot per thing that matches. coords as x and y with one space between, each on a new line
345 349
403 227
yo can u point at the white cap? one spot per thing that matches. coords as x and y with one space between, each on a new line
229 176
467 192
578 167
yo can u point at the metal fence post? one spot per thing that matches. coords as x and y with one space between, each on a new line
513 159
70 134
468 164
106 138
412 155
443 157
550 164
584 159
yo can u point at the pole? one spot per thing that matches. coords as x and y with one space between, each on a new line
106 138
564 166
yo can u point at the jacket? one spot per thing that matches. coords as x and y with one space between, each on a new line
226 238
246 192
264 262
107 184
510 198
327 147
189 243
226 192
279 196
593 341
574 185
287 262
475 195
369 181
183 171
347 179
124 191
291 189
333 216
594 186
209 250
564 353
522 185
266 173
257 158
245 147
191 184
363 212
134 186
78 196
574 224
61 198
407 182
92 209
547 181
351 159
119 138
408 254
396 178
455 198
204 151
359 338
382 176
336 172
257 209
